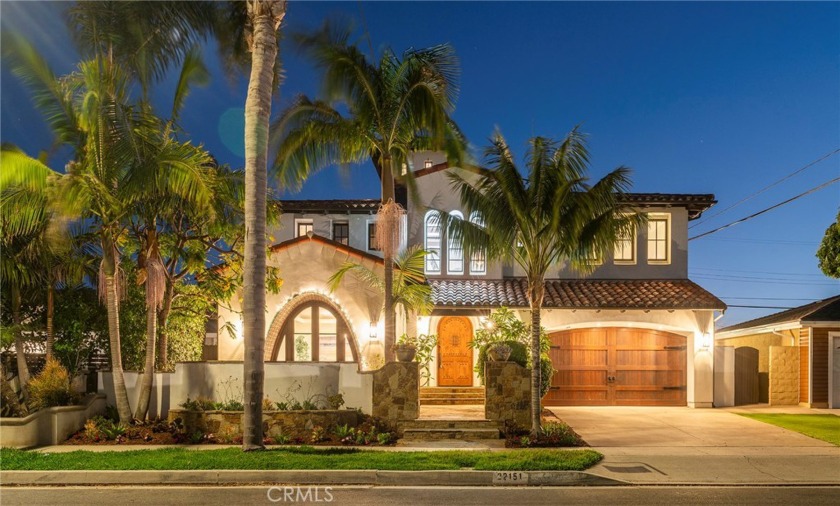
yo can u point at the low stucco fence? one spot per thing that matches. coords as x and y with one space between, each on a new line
222 381
49 426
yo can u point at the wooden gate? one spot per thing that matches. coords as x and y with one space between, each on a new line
746 376
455 360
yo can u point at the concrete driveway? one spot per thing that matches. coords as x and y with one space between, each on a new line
631 430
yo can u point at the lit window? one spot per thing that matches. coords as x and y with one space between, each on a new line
304 227
658 240
341 232
625 248
314 334
478 260
427 164
455 252
372 236
432 244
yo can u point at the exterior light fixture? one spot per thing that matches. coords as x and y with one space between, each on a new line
707 340
373 334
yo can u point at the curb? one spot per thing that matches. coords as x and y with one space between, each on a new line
308 477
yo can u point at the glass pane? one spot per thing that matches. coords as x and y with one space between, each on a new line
326 336
303 336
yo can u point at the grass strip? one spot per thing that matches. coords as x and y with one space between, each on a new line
300 458
824 427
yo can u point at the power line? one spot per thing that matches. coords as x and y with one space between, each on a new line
759 192
767 298
695 269
766 241
764 281
761 307
780 204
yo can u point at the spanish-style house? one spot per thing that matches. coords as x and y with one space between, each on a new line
637 331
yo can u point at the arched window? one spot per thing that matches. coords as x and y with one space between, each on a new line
314 332
478 258
455 252
432 243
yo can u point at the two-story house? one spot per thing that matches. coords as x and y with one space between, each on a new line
636 331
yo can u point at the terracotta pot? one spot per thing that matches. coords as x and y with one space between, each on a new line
405 353
499 353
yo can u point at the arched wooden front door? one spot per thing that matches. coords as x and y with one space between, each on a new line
455 359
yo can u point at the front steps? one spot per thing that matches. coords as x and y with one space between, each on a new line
436 430
447 396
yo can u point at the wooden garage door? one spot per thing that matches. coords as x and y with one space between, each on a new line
617 367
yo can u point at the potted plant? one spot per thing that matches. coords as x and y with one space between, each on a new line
499 352
406 348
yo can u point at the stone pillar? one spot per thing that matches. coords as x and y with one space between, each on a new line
396 394
508 394
784 375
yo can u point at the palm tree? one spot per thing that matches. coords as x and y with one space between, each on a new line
265 17
410 290
395 107
549 217
26 226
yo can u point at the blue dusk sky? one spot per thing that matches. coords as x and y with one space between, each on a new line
722 98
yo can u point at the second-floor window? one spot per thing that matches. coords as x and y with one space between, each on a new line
625 248
658 238
455 252
478 259
431 231
372 236
303 227
341 232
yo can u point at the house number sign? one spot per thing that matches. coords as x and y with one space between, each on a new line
510 478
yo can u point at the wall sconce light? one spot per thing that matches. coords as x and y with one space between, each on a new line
706 341
373 334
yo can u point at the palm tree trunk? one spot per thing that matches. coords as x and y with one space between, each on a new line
50 319
113 308
536 293
410 322
163 335
266 17
145 393
20 352
388 256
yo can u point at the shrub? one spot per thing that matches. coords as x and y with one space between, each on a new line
318 434
51 387
519 354
343 431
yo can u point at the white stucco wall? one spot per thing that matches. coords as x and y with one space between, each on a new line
221 381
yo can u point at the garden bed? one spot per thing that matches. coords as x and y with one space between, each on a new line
49 426
316 427
555 434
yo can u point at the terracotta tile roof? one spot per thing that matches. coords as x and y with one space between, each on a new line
826 310
323 206
576 294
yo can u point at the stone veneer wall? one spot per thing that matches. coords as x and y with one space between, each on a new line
784 375
508 394
295 424
396 393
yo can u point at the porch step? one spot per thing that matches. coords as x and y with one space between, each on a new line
438 434
451 395
441 424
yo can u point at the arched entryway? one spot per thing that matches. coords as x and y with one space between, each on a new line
310 328
455 356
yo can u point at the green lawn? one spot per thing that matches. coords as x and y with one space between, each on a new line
301 458
825 427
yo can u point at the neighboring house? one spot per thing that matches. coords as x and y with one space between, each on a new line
636 331
805 338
